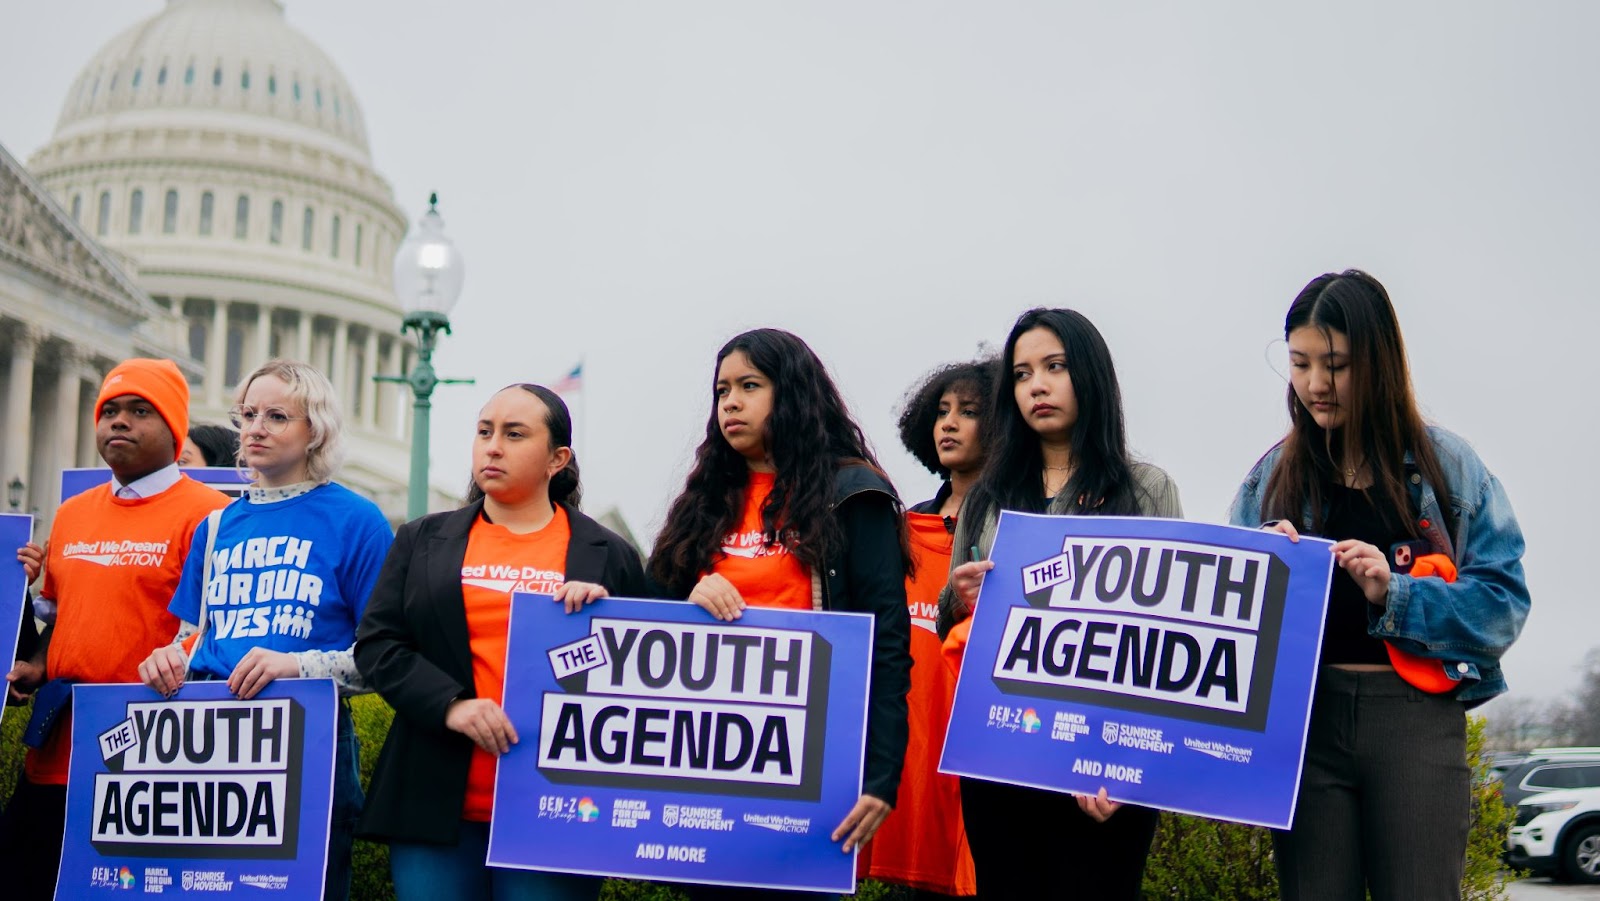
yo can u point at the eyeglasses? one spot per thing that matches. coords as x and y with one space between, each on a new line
272 419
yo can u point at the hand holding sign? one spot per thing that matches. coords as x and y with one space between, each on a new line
717 596
164 669
258 668
24 677
1366 564
32 558
575 595
966 579
482 720
863 820
1098 807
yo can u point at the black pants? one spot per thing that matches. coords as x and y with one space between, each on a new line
1031 843
30 840
1384 797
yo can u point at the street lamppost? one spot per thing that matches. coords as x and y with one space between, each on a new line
427 280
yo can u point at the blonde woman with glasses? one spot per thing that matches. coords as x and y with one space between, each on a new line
293 563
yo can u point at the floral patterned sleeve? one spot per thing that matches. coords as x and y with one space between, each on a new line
340 666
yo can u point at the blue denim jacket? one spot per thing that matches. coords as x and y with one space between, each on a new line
1468 623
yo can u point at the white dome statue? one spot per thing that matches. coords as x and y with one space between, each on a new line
224 153
209 61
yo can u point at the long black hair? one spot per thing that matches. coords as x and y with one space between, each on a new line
973 381
809 434
1013 473
565 486
1381 421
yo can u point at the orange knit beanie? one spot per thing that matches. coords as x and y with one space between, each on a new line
158 381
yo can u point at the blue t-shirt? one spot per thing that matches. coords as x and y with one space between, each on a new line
292 575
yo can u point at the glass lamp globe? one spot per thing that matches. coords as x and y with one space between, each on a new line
428 269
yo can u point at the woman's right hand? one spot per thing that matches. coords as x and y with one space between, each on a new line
483 721
32 558
717 596
164 669
966 579
1284 527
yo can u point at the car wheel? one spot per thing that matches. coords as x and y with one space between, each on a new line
1581 858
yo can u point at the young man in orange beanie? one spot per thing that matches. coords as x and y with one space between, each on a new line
110 603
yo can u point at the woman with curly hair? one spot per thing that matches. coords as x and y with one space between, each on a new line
1056 444
923 843
786 506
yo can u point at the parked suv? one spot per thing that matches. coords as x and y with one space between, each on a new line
1558 834
1549 769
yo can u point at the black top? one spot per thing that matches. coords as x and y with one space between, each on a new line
412 647
1352 513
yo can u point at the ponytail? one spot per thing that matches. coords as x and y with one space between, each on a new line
566 487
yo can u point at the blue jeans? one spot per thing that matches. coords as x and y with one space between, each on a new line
450 872
348 799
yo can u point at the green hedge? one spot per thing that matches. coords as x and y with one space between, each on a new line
1192 858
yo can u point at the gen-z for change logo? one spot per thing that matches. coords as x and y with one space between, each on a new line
709 752
198 793
1172 662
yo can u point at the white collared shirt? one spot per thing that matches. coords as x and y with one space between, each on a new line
149 486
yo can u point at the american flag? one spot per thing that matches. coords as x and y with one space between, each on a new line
571 382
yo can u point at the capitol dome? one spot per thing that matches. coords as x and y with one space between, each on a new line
225 155
206 62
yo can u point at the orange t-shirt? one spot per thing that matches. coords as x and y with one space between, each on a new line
498 562
923 843
111 568
766 576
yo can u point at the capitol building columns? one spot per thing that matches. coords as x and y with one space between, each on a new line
233 336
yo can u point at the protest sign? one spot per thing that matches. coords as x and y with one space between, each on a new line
1171 663
16 530
659 743
199 793
225 479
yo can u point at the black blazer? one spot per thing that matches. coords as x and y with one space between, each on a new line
412 648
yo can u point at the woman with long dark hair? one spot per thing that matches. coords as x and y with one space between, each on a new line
1427 593
1056 444
433 643
786 506
923 844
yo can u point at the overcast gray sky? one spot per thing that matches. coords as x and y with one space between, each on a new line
633 183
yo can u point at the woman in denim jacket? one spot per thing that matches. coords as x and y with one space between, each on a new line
1384 793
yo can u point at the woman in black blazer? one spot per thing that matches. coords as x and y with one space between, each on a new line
428 646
